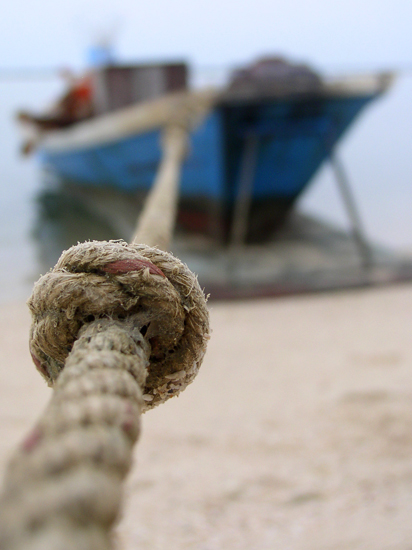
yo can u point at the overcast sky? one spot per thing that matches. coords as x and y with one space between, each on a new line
328 33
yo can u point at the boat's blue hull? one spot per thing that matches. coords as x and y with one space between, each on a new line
294 137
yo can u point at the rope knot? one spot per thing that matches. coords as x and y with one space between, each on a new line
144 287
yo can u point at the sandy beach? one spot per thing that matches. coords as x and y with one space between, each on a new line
297 433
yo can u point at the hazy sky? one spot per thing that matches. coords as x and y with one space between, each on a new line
329 33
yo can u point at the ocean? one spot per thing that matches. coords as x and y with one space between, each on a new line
376 151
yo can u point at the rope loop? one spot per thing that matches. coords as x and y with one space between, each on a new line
139 285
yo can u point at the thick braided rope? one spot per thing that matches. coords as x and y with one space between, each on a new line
117 329
116 280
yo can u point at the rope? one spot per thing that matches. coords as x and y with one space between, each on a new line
155 225
116 330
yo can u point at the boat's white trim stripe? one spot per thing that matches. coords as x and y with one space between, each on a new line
124 123
154 114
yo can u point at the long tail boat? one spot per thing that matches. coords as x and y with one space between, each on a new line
251 154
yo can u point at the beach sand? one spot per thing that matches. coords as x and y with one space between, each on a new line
297 433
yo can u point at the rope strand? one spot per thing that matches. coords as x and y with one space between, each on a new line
156 223
66 477
116 330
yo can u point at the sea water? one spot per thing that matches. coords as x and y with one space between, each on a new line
376 151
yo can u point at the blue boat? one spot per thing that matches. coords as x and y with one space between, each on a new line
251 155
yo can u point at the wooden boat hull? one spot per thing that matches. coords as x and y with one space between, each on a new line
293 137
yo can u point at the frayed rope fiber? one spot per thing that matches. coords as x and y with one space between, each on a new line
117 329
117 280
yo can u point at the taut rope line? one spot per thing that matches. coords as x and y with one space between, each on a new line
117 329
155 225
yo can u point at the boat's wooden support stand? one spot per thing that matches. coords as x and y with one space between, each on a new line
244 197
351 208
